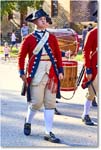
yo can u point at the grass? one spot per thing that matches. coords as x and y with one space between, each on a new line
79 56
14 53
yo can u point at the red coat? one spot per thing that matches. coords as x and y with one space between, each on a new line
28 46
90 54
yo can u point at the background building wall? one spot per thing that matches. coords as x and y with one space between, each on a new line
63 16
82 10
71 12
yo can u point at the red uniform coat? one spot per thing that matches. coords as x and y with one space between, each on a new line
27 47
90 55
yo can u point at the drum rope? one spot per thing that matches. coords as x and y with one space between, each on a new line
67 44
65 40
69 97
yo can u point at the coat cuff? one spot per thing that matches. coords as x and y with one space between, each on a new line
21 72
88 70
63 54
61 70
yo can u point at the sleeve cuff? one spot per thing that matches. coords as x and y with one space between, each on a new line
61 70
88 70
63 54
88 83
21 72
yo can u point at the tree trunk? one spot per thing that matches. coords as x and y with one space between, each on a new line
22 16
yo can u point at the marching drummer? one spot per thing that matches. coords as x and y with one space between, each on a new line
44 72
90 77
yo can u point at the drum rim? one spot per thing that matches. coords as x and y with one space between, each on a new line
72 62
67 30
67 88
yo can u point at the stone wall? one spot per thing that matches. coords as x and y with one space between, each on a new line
82 10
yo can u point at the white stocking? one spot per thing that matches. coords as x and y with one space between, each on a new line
48 117
87 105
30 115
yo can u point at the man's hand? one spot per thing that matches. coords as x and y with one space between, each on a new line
60 76
23 77
89 76
68 54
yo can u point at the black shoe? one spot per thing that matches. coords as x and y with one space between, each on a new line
51 137
57 112
87 120
27 129
94 103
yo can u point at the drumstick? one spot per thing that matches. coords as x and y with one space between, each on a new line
80 76
93 88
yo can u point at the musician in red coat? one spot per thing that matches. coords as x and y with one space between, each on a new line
44 71
90 76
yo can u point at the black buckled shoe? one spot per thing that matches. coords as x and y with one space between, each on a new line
87 120
27 129
57 112
51 137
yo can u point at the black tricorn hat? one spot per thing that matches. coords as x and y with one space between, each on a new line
36 15
48 19
95 13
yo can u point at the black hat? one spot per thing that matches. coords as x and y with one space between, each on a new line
95 13
48 19
36 15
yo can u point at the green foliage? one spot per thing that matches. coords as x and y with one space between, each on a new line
7 6
79 56
38 4
21 5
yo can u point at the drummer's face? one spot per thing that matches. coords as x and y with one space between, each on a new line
41 23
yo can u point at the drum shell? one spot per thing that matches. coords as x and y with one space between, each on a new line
70 76
67 39
67 43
